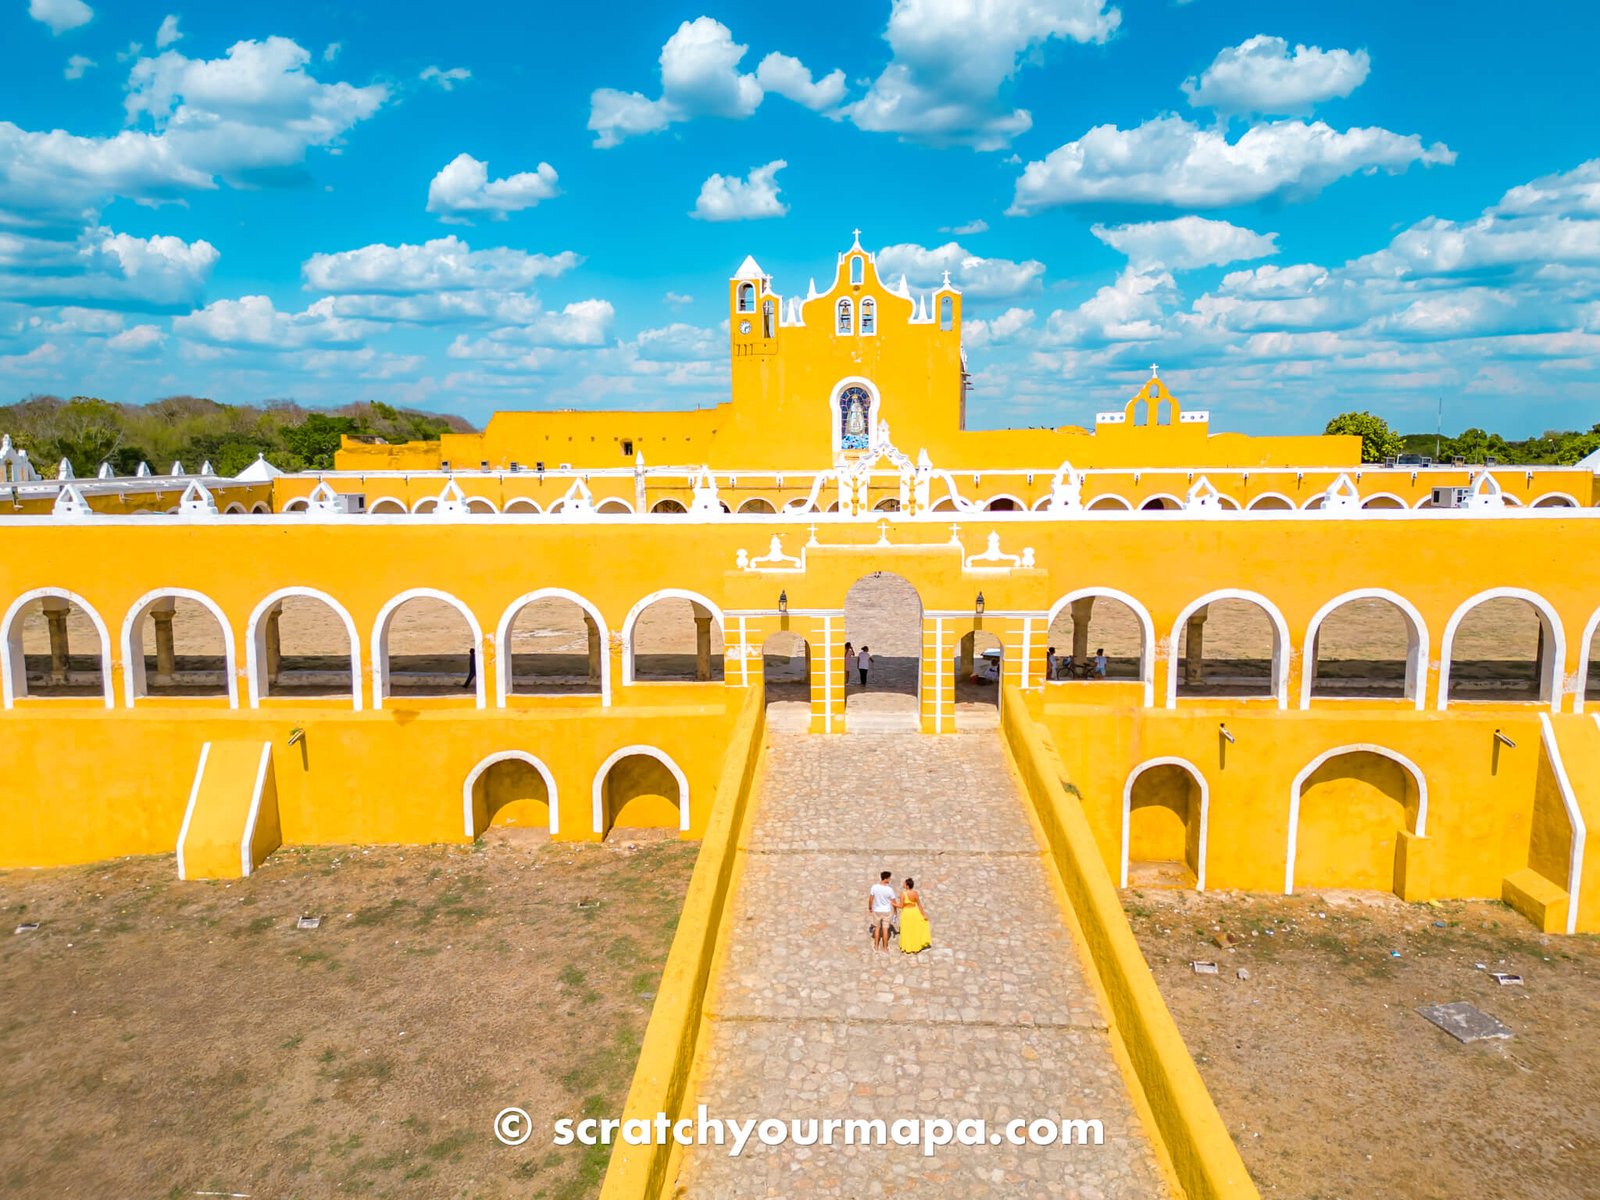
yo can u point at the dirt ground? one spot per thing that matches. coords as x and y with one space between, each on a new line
162 1039
1334 1088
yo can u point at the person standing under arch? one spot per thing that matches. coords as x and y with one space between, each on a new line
849 664
863 665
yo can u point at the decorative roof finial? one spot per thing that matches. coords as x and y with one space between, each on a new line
1154 371
857 234
947 279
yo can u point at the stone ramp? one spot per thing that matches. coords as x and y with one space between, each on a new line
996 1021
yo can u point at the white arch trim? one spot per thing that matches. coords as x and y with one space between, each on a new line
1399 501
1176 503
380 641
649 752
385 504
1556 500
1555 648
298 504
988 505
638 610
481 504
1205 812
745 507
13 669
1311 769
255 643
1416 643
1589 631
233 509
1280 648
614 504
502 641
1255 501
467 822
1147 629
521 504
133 664
431 502
1108 500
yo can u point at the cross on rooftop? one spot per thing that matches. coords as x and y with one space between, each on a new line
1153 370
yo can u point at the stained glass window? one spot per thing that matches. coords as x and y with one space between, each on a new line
855 419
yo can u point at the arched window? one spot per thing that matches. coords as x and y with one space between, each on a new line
855 269
869 315
747 297
947 309
769 320
845 323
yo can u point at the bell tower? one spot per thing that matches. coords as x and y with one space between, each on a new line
752 311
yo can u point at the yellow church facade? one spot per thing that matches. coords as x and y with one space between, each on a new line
1173 611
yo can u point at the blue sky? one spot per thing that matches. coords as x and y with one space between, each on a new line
1295 209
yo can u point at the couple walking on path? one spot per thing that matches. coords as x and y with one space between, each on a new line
882 907
856 663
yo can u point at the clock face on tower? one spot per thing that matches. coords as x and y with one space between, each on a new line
744 326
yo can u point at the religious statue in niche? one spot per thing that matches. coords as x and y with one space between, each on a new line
855 415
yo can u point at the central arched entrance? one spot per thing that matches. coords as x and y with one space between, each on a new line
883 614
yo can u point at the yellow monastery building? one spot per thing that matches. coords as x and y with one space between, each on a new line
1213 660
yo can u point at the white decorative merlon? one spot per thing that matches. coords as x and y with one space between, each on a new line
197 502
1202 497
452 501
1342 493
705 502
205 469
749 269
177 469
993 560
70 504
904 288
324 499
1485 493
64 470
143 472
14 464
105 472
1066 490
811 289
774 559
578 502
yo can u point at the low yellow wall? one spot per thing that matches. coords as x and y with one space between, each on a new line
86 784
660 1081
1186 1121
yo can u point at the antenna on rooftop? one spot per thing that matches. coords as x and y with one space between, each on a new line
1438 431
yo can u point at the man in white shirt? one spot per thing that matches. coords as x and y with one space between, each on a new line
880 909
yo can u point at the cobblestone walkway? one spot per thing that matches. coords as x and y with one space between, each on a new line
995 1021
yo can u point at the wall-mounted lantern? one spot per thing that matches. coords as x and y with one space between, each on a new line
977 605
783 602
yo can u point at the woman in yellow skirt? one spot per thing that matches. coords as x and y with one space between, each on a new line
915 936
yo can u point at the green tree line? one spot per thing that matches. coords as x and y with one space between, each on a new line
1556 447
87 431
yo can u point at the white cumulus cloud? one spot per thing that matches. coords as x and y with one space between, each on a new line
442 264
60 15
1171 161
977 332
76 66
141 339
169 33
255 322
103 267
700 78
978 278
446 79
952 61
463 187
1261 75
729 198
1186 243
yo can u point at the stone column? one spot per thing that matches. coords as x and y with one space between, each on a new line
1081 608
964 657
1194 667
274 644
595 649
55 616
702 643
162 613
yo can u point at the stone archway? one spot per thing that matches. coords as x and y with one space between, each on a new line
883 613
